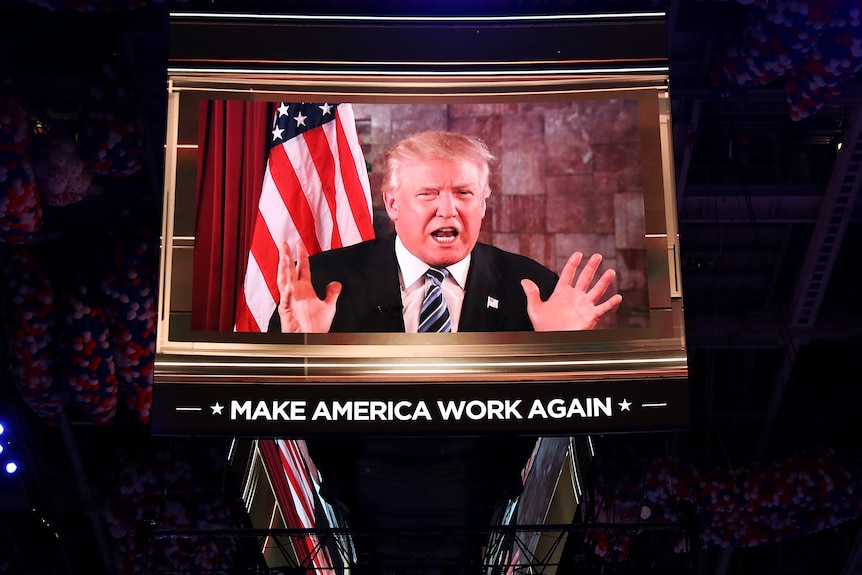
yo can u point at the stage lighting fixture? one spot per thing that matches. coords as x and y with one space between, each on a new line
11 467
2 429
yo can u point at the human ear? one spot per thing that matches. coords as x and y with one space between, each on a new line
391 205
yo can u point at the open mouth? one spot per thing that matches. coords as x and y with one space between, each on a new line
445 235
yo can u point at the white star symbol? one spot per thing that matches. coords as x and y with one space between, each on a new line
276 133
300 119
217 408
326 109
282 109
625 404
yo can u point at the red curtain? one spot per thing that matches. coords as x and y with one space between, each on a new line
232 151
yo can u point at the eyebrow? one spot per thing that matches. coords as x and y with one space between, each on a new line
455 186
461 185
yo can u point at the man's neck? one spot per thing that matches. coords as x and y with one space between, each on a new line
412 268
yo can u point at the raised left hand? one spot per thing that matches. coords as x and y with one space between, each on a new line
574 304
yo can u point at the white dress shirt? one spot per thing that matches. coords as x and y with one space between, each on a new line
414 283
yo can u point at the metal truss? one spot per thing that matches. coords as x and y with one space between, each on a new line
507 549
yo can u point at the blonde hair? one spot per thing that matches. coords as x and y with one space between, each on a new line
437 145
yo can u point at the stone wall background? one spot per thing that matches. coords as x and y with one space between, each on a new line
568 178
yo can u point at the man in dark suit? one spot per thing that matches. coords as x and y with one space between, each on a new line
371 301
435 189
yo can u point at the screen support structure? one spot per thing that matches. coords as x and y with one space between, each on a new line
570 59
623 379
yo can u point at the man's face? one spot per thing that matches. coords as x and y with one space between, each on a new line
438 209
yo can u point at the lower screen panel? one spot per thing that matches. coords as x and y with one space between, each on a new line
319 409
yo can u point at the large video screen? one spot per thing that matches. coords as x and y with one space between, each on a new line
268 164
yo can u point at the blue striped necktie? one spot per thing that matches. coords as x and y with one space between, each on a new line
434 317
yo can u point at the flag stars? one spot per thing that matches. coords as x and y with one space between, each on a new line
277 133
282 109
326 109
300 119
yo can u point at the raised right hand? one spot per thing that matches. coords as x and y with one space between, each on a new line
299 308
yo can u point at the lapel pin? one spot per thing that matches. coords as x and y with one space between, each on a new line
493 303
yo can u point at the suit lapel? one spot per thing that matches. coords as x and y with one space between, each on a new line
377 296
480 311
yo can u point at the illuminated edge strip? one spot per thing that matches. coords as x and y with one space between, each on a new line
176 71
585 362
573 465
662 404
464 19
345 91
412 371
426 63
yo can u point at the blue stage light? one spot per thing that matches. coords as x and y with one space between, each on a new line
11 467
1 448
2 429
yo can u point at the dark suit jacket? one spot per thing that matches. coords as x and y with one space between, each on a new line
370 300
477 470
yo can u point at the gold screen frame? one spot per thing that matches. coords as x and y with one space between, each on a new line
241 65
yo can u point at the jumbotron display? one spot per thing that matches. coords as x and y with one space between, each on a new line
308 193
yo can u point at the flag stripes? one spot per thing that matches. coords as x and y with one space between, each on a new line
294 495
354 177
300 489
315 191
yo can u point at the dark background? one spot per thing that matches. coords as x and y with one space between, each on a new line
772 312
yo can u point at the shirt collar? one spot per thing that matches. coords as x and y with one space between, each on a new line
412 268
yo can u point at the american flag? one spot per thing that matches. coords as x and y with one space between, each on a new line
315 190
295 494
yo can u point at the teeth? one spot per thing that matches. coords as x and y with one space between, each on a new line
445 235
444 239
